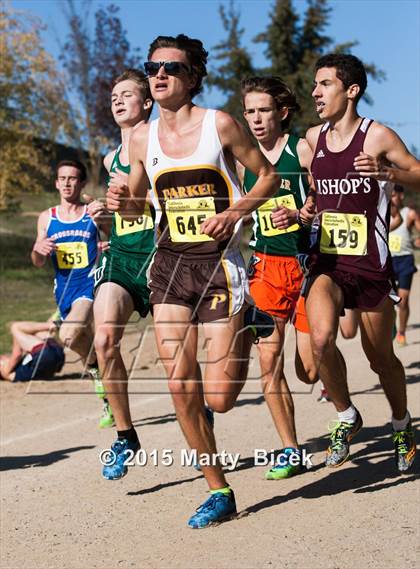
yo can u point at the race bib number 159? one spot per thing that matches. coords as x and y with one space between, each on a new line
343 234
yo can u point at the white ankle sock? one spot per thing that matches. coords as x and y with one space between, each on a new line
400 425
348 416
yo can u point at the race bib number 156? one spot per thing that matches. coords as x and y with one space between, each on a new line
143 223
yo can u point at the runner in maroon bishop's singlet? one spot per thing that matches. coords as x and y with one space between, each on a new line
351 264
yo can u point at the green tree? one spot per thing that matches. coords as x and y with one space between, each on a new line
92 59
235 61
313 42
304 42
32 110
281 39
292 46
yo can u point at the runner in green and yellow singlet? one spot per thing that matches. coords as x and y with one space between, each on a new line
120 280
292 194
130 238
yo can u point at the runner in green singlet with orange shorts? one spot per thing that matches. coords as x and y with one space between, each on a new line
274 272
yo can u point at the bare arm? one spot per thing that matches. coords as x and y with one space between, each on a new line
417 223
312 135
130 198
413 220
43 246
237 142
8 362
283 217
28 333
396 218
308 210
108 160
305 155
383 146
97 207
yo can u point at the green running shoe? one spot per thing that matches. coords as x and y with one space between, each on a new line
405 447
107 419
286 466
95 375
99 388
341 435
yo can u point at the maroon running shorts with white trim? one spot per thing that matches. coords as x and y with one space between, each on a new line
358 292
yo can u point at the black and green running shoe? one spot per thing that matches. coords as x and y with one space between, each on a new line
107 419
288 463
405 447
259 322
341 435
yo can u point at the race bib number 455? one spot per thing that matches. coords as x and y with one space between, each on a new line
185 217
72 255
343 234
267 227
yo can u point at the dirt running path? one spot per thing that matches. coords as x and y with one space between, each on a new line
58 512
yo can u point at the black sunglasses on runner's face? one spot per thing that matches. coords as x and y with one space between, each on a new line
170 67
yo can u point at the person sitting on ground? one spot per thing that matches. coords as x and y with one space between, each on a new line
35 353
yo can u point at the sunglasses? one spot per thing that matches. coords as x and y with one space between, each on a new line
170 67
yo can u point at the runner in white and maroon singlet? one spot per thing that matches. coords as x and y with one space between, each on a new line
351 263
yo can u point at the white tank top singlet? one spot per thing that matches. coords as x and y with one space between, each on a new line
189 190
400 242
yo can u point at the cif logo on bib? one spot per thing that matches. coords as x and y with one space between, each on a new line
355 222
217 299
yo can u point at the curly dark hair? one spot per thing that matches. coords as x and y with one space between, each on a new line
349 69
274 86
196 54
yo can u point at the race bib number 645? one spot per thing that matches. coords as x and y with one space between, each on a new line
343 234
185 217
